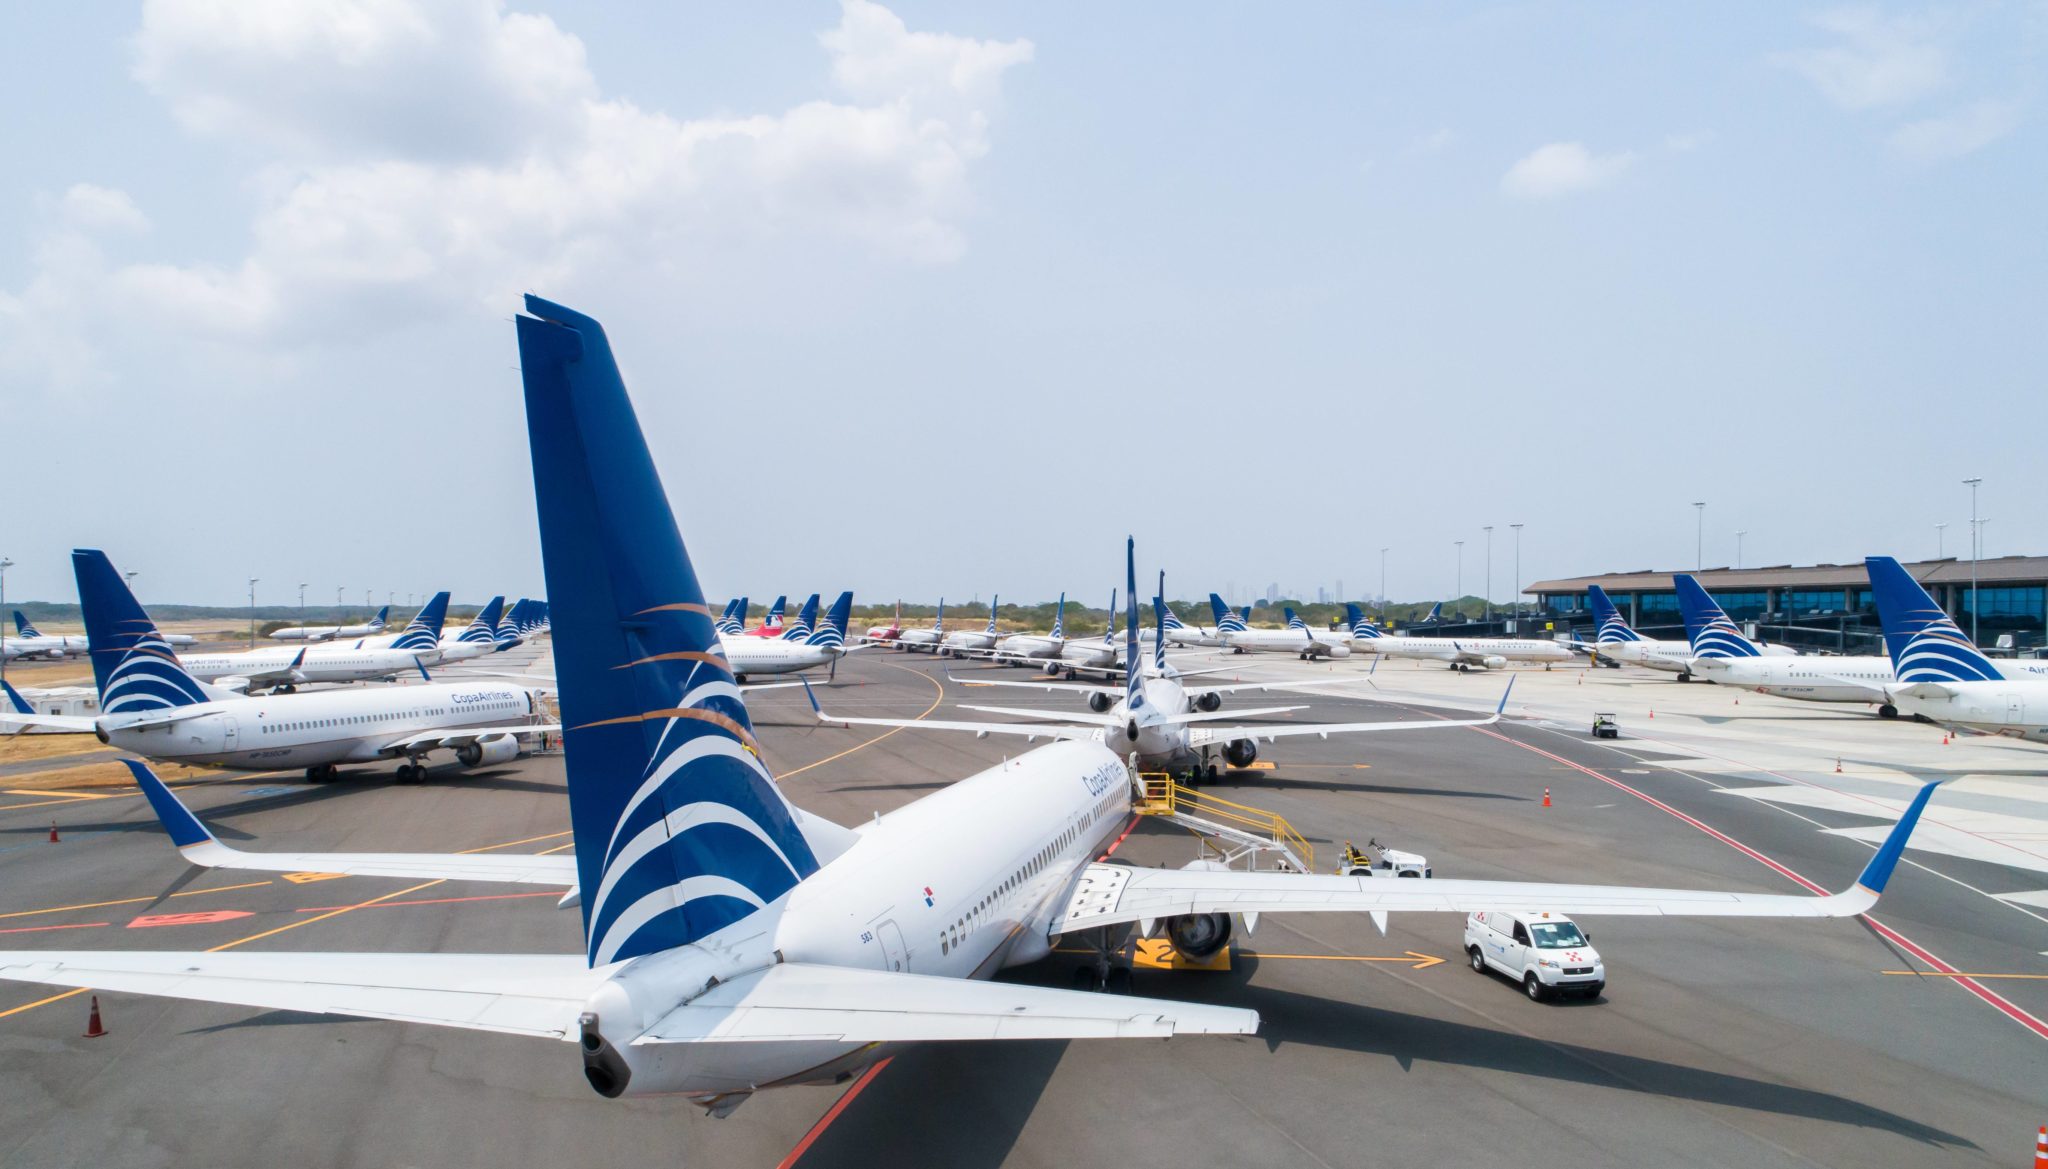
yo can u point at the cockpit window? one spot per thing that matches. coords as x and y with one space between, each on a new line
1557 935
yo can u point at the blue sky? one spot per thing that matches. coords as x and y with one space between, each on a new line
945 299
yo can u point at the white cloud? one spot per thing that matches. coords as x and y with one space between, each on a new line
1562 168
1951 136
441 156
1880 60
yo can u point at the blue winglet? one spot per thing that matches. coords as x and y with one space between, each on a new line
419 663
184 828
1503 707
1879 870
812 695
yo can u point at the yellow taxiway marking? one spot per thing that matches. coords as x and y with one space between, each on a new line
127 900
1411 959
51 791
1962 974
885 734
42 1002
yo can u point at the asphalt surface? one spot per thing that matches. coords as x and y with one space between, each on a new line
1718 1043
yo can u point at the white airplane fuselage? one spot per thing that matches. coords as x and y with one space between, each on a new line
971 640
772 655
454 649
1447 649
311 730
1811 679
1673 657
1031 645
959 884
1317 643
919 639
324 663
2015 709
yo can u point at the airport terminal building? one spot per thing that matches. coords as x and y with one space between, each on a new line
1821 605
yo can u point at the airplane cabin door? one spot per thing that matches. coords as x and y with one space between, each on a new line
895 954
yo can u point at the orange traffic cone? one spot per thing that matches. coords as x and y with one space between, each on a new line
1653 714
1546 797
53 833
1838 765
93 1030
2041 1148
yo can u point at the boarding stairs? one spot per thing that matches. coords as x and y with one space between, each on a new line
1237 832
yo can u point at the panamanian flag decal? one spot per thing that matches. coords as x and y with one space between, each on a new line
928 896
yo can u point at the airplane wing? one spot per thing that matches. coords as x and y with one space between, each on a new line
1110 894
1255 712
72 723
1210 736
840 1004
1079 716
1053 687
460 736
514 994
1027 730
201 848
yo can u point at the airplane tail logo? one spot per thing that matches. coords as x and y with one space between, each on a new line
382 619
679 828
424 631
1167 618
1361 626
1059 620
1134 691
133 666
833 631
1293 622
1226 621
1109 635
724 624
992 612
22 626
774 618
1436 614
806 621
484 628
507 633
1159 614
1924 643
939 622
1610 625
1707 626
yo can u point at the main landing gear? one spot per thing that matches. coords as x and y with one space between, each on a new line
325 773
1109 967
410 772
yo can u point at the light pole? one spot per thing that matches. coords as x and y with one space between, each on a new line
1699 537
5 564
1938 533
302 604
1518 570
1488 529
1461 572
1383 582
252 611
1975 541
131 575
1738 546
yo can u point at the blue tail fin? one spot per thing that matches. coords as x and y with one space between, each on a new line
1226 621
1361 625
1707 627
806 620
133 666
1924 644
833 631
1244 616
774 618
22 626
1059 619
992 598
939 622
1436 614
424 631
382 619
1159 615
1134 693
484 627
1609 624
1293 622
679 828
1109 635
1167 618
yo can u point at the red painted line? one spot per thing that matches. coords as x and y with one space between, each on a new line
29 929
1997 1001
831 1114
431 901
1118 842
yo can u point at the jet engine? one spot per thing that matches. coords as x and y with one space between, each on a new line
1199 935
1240 752
1052 669
486 752
1211 701
1100 701
1494 661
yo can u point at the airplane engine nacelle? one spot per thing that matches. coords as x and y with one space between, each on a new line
1338 651
1209 702
1240 752
1495 661
1052 669
1099 701
1200 935
488 752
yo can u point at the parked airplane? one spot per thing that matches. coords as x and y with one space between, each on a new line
151 705
1180 633
1940 675
373 626
32 642
1095 654
1613 638
1297 639
734 942
478 638
735 612
799 630
283 669
974 641
824 647
926 639
1721 654
1039 647
886 634
772 624
1435 615
1461 653
423 632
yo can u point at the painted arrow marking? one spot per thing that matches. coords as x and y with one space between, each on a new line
1411 959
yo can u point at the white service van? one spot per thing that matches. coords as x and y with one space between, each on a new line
1546 952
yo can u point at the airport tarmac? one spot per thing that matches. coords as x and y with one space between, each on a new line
1718 1043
